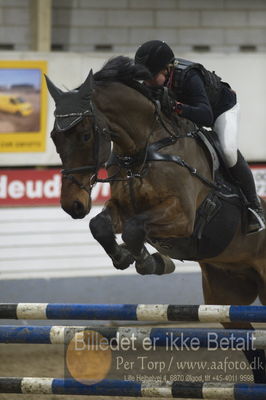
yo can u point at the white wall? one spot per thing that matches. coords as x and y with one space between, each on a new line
50 244
48 257
245 73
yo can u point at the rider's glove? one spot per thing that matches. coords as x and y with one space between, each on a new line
178 107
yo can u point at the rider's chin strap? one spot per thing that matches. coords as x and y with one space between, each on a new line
170 80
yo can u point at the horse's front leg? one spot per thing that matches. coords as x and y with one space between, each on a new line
168 219
102 229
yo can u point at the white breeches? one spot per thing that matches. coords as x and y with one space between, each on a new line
226 127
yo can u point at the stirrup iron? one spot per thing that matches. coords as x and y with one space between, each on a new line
260 221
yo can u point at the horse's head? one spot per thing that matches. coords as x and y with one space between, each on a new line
81 138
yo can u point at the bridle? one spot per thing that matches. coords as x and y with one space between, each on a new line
100 134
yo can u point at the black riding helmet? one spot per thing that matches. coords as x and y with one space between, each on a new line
155 55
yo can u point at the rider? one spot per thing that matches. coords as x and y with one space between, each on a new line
203 98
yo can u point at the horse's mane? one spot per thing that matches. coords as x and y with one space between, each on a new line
122 69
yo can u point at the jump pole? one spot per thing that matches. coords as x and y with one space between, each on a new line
223 391
162 337
133 312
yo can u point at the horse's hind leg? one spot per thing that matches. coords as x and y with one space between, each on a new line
235 288
134 236
224 286
102 229
156 263
167 219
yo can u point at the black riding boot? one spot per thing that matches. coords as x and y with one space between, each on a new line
243 175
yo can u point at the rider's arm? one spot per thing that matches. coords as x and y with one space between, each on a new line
195 104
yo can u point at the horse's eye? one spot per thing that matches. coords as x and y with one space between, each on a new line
86 137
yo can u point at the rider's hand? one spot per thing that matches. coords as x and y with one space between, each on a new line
169 104
156 92
178 107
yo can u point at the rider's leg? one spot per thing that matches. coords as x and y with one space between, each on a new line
226 126
242 173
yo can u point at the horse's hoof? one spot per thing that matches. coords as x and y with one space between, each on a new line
123 258
146 267
164 264
155 264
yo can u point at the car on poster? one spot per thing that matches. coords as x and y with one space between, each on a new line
15 105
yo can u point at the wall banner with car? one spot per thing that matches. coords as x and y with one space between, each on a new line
23 106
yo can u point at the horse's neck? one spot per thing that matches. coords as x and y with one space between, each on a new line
129 114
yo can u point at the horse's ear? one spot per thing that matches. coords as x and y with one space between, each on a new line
54 91
86 88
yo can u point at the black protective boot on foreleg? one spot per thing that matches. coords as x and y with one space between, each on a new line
244 178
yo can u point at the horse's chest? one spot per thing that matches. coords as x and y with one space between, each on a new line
136 197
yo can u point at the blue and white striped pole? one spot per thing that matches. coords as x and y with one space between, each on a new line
133 312
221 391
171 338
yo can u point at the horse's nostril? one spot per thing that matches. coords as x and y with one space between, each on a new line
78 205
78 209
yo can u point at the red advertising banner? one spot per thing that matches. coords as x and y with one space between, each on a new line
32 187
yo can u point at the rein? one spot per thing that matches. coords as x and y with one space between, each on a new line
154 155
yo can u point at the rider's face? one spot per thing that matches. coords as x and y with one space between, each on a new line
159 79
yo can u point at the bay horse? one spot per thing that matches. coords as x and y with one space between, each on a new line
163 190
